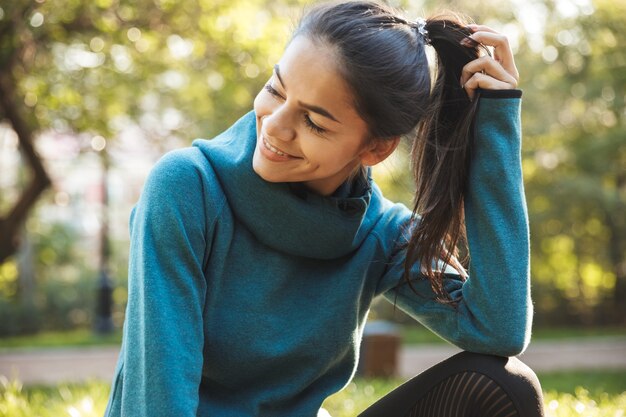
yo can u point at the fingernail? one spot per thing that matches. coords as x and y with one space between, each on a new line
469 41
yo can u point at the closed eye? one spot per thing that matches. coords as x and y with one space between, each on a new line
307 120
272 91
315 128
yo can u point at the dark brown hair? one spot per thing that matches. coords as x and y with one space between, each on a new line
383 59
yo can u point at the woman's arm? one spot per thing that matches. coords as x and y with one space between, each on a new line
160 364
494 311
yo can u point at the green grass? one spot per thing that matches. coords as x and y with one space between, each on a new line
81 337
560 333
596 393
584 393
71 400
416 334
612 382
566 394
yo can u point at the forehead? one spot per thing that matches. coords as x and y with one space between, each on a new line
310 70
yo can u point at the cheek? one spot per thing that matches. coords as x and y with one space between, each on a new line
324 156
257 105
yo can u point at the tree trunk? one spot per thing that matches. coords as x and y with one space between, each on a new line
26 270
617 252
10 224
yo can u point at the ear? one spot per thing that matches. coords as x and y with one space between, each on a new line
378 150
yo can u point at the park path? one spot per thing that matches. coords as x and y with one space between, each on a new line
49 366
542 356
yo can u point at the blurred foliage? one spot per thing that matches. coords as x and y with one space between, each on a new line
64 293
166 67
573 73
165 71
169 71
575 166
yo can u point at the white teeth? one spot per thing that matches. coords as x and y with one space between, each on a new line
273 149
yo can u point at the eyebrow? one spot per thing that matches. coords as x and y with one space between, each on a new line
313 108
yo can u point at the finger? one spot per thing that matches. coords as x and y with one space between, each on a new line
501 48
488 66
480 80
483 28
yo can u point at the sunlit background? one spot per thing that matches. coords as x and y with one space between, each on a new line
93 92
96 91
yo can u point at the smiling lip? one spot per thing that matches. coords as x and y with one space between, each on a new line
273 153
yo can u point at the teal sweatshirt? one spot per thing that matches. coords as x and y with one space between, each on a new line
248 298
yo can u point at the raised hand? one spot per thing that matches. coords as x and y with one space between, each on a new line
487 72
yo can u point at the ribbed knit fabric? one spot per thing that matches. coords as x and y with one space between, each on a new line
248 298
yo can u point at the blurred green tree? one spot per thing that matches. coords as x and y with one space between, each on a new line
573 73
174 70
96 71
97 68
576 163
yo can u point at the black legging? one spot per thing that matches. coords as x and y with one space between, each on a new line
466 385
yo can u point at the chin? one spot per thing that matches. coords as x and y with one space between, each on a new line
259 168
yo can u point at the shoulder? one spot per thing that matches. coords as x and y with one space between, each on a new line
179 167
393 223
184 178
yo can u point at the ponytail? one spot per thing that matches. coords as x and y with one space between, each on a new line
440 160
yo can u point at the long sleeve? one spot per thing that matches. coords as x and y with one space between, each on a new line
160 365
494 311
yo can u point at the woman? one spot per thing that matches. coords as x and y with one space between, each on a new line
255 255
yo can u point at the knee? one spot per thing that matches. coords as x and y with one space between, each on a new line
502 368
518 371
511 374
517 367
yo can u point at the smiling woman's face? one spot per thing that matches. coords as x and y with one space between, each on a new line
307 128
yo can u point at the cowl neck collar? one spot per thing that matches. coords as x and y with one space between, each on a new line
287 216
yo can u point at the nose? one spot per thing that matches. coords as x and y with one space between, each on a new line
279 125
